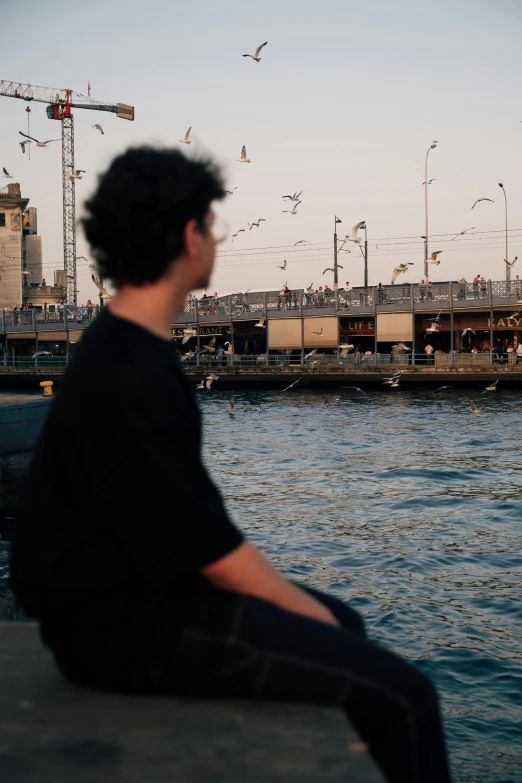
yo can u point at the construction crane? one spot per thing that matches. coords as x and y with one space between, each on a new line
60 102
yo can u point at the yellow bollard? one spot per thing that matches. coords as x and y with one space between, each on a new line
47 388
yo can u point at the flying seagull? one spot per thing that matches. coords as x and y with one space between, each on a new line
300 242
201 384
433 258
284 265
512 262
482 199
251 225
261 323
38 143
461 233
398 269
465 331
6 174
187 334
292 384
210 346
293 211
443 387
433 328
209 379
104 293
429 181
99 128
22 144
491 387
320 332
356 389
330 269
311 353
295 197
437 318
355 229
256 56
77 174
473 408
239 231
186 139
231 192
243 158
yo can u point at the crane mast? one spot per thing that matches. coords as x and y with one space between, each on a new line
60 103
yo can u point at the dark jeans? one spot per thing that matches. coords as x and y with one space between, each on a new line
237 647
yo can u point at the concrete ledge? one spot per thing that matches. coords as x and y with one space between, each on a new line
54 732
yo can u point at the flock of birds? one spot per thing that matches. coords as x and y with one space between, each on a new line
393 382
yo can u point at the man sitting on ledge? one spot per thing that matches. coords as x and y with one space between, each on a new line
123 549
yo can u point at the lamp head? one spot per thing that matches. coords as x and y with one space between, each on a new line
501 185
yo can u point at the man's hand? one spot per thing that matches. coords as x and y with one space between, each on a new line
246 571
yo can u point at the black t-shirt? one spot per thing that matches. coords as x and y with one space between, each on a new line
118 508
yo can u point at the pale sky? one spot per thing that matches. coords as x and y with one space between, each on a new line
344 104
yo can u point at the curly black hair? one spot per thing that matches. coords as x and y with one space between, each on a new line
136 218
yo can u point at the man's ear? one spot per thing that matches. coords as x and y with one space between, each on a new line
190 239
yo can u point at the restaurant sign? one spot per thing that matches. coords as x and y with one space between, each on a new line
358 326
204 331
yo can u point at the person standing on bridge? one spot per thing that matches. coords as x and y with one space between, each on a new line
126 554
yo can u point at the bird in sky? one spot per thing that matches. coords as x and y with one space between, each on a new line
187 334
293 211
231 192
209 379
231 407
6 174
356 388
239 231
433 328
104 293
188 355
461 233
473 408
491 387
433 258
284 265
256 56
38 143
331 269
512 262
437 318
243 158
311 353
209 347
251 225
261 220
201 384
465 331
22 144
295 197
99 128
300 242
186 139
398 269
261 324
77 174
320 332
441 388
513 315
482 199
429 181
355 229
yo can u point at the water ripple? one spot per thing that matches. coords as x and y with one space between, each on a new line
409 507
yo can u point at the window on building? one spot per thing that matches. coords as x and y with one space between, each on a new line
2 219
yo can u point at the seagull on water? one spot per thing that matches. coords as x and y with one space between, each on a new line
38 143
293 211
256 56
186 139
398 269
243 158
482 199
473 407
6 174
284 265
99 128
461 233
355 229
77 174
491 387
261 323
433 258
292 384
231 407
295 197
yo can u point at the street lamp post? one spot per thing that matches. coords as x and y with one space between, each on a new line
336 275
508 268
431 147
365 256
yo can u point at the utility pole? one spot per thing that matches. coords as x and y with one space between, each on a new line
432 147
336 275
508 268
365 257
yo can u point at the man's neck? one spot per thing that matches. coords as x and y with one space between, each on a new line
152 306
